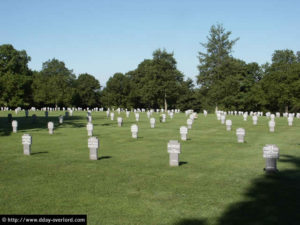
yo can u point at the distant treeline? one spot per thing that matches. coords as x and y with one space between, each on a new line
223 81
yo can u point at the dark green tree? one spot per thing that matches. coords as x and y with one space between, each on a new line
213 62
87 90
116 92
156 82
54 85
15 77
281 83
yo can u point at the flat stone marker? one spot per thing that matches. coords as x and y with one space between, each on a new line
26 141
93 145
50 127
271 154
152 122
134 131
228 125
240 133
90 128
14 124
120 121
183 133
271 125
174 151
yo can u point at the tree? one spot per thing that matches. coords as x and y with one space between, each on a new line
213 62
15 77
281 82
116 92
88 90
156 82
54 85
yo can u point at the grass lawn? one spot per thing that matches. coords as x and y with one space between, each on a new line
219 180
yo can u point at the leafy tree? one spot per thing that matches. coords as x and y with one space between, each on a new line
15 77
54 85
156 82
116 92
281 82
213 62
88 90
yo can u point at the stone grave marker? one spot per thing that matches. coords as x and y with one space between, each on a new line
120 121
26 141
183 133
61 119
290 120
93 145
189 123
254 119
271 125
90 128
240 133
14 126
228 125
271 154
174 151
134 131
152 122
50 127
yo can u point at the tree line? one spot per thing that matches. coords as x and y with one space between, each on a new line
223 81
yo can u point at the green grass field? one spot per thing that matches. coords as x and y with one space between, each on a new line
219 181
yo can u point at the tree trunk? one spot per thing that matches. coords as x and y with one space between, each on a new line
286 109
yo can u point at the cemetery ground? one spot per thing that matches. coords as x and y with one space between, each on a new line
219 181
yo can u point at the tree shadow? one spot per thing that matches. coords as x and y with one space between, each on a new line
272 199
190 222
40 123
104 157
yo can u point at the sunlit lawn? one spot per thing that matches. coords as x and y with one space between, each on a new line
219 180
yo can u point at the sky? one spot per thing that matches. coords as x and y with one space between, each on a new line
105 37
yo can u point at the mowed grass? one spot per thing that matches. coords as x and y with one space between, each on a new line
219 181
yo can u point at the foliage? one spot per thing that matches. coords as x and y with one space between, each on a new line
15 77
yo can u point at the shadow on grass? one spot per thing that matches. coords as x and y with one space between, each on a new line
104 157
182 163
272 199
190 222
37 153
40 123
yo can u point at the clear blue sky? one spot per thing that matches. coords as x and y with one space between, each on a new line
105 37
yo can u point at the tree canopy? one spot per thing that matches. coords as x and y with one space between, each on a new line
223 81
